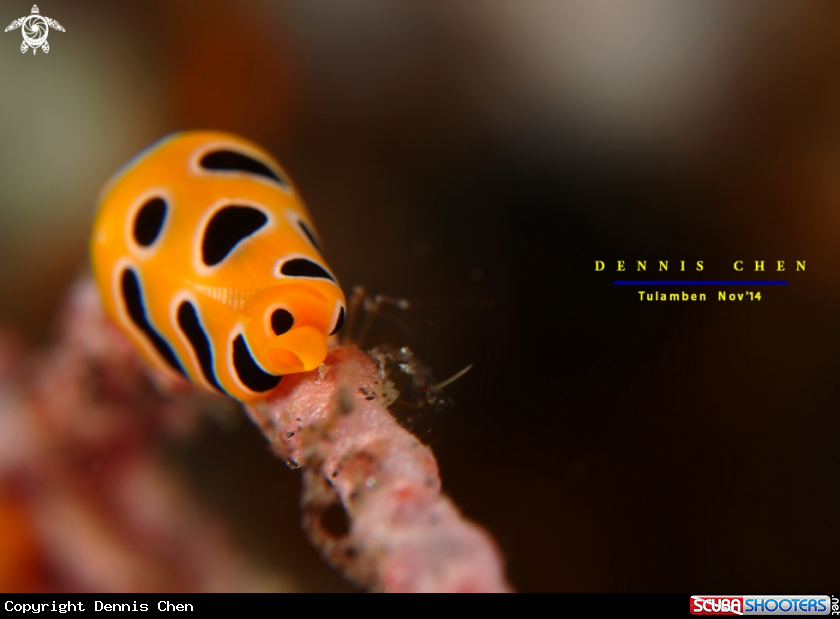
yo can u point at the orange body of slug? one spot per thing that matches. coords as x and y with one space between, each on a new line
207 259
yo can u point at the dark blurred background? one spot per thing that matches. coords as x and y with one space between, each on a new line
477 158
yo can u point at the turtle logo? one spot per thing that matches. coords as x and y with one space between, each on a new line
35 30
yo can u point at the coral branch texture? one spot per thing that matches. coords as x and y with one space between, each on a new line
400 533
372 502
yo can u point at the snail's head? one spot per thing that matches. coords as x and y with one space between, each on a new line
289 325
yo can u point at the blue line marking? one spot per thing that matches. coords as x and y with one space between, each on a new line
701 283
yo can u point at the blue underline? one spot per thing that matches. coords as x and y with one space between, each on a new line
701 283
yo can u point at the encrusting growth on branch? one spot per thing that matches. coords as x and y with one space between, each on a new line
372 500
371 503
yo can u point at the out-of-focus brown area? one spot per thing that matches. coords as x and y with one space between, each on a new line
478 161
20 564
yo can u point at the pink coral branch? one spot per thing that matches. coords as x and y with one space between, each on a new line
372 502
77 423
402 534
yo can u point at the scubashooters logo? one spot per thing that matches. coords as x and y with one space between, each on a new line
35 29
786 605
725 289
